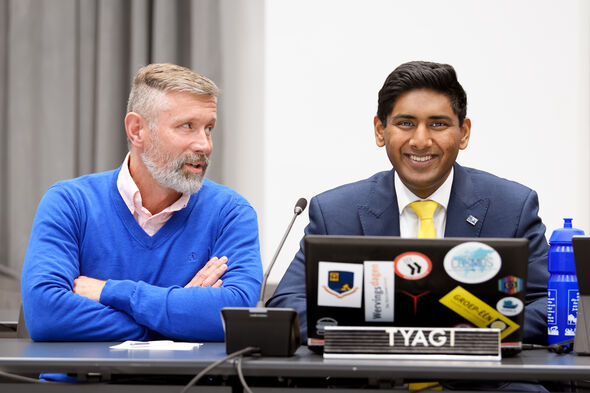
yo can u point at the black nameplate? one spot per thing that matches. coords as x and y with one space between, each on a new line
413 343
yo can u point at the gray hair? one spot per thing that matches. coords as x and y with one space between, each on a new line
151 83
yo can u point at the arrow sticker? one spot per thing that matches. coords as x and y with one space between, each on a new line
412 265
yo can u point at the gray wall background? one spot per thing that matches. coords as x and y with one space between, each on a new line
65 71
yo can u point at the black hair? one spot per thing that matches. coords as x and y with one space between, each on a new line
422 75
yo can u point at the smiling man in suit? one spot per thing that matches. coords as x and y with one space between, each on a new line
421 121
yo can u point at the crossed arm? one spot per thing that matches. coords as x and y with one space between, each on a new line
209 276
64 302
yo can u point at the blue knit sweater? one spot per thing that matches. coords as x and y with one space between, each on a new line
83 227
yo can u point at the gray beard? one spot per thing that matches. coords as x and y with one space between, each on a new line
169 172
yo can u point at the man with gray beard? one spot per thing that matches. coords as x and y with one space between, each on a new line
152 249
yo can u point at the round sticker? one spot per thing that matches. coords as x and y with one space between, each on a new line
472 262
510 306
497 324
323 322
412 265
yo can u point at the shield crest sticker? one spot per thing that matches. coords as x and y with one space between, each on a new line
340 284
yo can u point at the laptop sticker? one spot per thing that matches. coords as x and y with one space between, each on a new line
379 291
510 285
340 284
412 265
321 324
472 262
510 306
415 298
477 312
497 324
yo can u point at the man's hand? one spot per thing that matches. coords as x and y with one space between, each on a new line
210 274
88 287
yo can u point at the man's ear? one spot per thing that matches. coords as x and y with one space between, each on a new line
379 132
136 127
465 133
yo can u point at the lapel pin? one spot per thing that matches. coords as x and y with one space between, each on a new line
472 220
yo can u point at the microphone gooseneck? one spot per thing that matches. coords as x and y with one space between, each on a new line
299 208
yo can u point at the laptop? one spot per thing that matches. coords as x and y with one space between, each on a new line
401 282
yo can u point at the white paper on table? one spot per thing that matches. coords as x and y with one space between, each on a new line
166 345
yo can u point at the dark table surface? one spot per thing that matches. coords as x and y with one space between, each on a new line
25 356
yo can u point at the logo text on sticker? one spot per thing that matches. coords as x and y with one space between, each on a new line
472 262
379 291
412 265
477 312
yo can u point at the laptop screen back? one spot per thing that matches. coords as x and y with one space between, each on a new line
392 281
581 246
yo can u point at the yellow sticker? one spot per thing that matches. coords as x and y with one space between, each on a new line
477 312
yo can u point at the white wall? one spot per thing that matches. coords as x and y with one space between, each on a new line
524 64
241 104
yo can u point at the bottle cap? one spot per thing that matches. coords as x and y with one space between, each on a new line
564 235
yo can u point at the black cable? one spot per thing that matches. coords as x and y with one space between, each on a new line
559 348
241 375
20 378
217 363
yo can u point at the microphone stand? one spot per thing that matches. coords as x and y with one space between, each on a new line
297 211
272 331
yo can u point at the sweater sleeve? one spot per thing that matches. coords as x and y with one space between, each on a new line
52 311
194 313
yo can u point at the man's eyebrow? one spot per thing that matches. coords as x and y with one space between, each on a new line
440 117
191 119
403 116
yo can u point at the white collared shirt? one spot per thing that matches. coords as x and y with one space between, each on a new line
151 223
408 220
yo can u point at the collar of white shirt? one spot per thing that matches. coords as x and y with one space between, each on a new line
132 198
408 220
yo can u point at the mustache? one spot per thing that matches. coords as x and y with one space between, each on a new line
193 158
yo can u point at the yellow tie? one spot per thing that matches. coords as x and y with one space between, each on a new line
425 210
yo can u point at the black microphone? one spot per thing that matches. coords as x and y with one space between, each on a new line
274 331
299 208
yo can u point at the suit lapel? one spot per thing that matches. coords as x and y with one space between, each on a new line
466 212
467 209
379 215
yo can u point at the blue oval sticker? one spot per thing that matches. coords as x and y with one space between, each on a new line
472 262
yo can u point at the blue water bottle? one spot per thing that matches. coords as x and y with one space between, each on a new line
562 286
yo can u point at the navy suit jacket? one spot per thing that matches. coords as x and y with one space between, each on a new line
369 207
